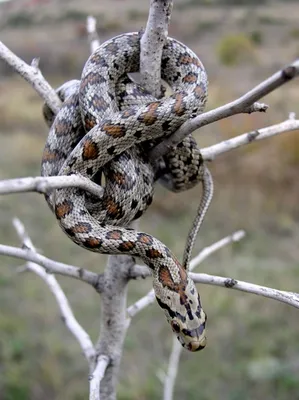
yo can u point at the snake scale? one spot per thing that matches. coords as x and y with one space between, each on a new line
106 127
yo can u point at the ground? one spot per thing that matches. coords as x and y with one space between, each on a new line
252 341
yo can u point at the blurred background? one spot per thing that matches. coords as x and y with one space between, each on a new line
253 350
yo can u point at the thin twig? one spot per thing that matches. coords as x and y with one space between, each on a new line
33 76
93 37
244 104
283 296
113 319
113 323
97 376
66 312
204 253
42 184
152 42
207 251
53 267
289 298
209 153
172 370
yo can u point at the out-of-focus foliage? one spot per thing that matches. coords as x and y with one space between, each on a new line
235 49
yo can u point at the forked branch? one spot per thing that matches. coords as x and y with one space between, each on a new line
66 312
33 76
244 104
53 267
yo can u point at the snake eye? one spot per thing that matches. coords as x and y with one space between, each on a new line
175 327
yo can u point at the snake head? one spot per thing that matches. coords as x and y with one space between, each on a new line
182 307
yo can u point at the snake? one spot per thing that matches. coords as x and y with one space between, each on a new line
106 127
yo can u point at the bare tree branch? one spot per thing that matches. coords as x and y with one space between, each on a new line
289 298
149 298
42 184
54 267
172 370
207 251
32 75
66 312
209 153
113 320
139 271
114 295
152 43
93 37
96 377
283 296
243 104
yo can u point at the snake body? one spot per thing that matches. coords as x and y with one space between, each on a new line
114 142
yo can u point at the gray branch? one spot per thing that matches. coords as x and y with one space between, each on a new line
113 320
33 76
114 295
96 377
209 153
152 43
54 267
66 312
244 104
93 37
42 184
283 296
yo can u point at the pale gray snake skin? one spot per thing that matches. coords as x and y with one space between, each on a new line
122 122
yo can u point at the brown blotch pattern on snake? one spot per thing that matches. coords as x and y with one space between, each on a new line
179 107
153 253
166 280
126 246
113 209
112 47
91 79
90 150
89 121
191 77
144 238
200 91
114 235
116 130
62 128
117 177
63 209
186 59
93 243
50 156
99 103
130 112
150 116
83 227
165 277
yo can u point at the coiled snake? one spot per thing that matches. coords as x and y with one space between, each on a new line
106 125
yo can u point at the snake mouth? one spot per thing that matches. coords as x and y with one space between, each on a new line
197 346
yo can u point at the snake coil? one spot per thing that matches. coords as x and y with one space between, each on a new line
106 126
